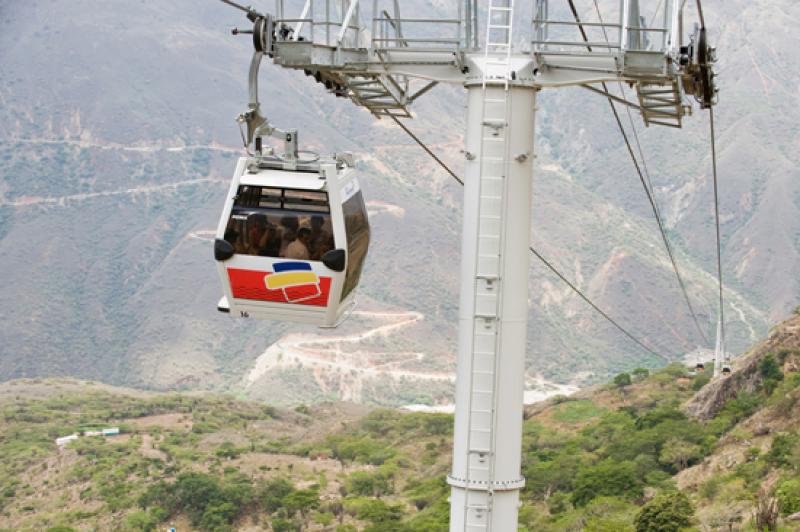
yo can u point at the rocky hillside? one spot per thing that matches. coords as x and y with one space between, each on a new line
619 457
783 341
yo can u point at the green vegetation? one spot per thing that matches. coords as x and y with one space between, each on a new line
788 494
622 380
603 462
667 512
577 411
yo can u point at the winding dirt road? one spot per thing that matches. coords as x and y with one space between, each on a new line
341 355
61 201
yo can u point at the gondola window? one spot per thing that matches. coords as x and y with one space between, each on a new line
276 222
357 230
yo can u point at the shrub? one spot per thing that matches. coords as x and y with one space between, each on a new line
301 501
783 450
368 484
700 380
622 380
210 503
284 525
770 372
667 512
606 478
679 453
741 407
558 503
274 492
218 517
788 495
378 512
141 521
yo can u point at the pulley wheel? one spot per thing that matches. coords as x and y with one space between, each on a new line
262 34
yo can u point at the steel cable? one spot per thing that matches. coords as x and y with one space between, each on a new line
642 179
538 255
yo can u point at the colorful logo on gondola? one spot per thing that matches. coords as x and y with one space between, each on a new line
296 280
292 282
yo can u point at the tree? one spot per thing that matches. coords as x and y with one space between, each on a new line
679 453
640 374
194 491
378 512
606 478
558 503
284 525
368 484
274 492
141 521
622 380
784 451
770 373
667 512
301 501
769 369
218 517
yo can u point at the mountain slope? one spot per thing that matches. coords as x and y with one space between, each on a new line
112 177
600 460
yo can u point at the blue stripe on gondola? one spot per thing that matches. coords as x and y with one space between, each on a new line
291 266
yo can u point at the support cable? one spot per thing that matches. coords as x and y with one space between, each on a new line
247 9
700 14
538 255
427 150
716 221
721 324
642 179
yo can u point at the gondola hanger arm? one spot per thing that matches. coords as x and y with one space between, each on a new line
257 124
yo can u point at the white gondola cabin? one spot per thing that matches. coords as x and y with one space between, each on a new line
291 243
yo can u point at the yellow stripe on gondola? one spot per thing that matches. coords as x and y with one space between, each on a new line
284 279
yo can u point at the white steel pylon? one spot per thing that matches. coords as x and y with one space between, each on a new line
492 319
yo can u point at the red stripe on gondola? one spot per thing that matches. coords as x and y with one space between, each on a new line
249 284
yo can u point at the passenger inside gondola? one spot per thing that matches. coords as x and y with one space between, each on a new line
298 248
273 222
289 226
257 234
321 240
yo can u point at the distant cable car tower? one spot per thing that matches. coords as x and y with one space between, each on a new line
387 65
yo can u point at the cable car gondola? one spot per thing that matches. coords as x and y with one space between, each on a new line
291 243
294 233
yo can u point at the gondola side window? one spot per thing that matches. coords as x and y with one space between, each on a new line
281 223
357 230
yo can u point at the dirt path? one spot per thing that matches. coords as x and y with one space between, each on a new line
141 148
61 201
330 354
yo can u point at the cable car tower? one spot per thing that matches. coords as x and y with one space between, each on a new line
391 61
